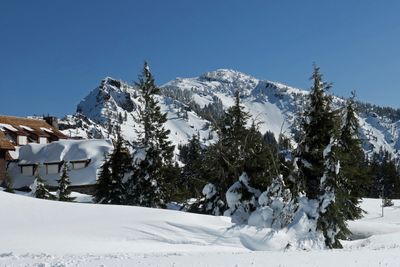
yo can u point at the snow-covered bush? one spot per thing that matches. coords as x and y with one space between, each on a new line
241 199
276 206
39 190
211 203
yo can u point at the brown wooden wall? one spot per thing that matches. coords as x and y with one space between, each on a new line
3 165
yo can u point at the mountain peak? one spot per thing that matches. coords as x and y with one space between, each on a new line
111 81
221 80
227 76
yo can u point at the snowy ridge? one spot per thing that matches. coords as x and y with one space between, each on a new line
117 103
274 104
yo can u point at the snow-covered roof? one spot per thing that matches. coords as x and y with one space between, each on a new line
61 151
8 127
46 129
26 128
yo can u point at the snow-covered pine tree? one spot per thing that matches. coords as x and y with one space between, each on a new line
39 189
241 199
276 207
154 174
352 162
223 161
318 160
121 165
110 186
318 122
239 149
63 190
211 203
333 195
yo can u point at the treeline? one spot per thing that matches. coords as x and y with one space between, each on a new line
386 112
250 176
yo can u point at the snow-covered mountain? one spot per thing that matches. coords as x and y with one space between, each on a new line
115 103
192 104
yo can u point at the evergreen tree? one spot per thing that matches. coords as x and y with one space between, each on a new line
192 156
110 186
386 177
261 159
103 184
318 122
389 178
352 160
121 166
63 191
224 160
232 133
39 189
153 181
239 149
333 196
318 161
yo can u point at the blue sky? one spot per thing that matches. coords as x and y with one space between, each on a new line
52 53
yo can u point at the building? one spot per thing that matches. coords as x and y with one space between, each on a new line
84 158
16 132
5 148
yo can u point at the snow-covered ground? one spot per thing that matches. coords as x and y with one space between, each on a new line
48 233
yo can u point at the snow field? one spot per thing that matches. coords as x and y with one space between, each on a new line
49 233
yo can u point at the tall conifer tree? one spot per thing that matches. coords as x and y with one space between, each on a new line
319 161
353 165
317 130
153 179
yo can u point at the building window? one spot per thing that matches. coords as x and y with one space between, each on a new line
22 140
52 168
42 140
27 170
78 165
